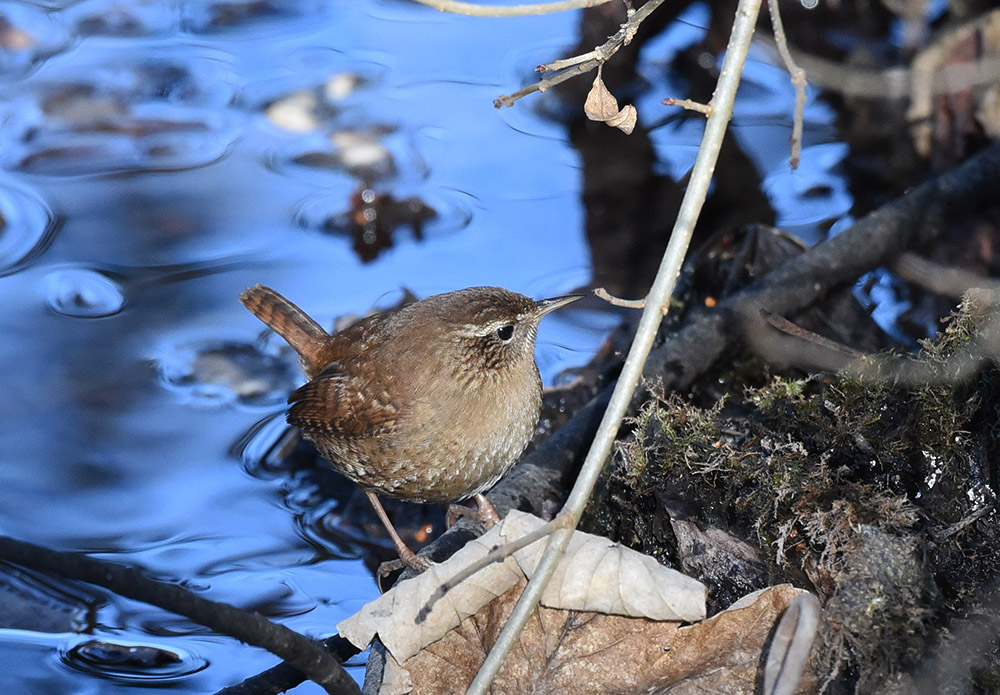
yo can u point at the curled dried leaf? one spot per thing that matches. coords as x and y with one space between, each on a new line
625 120
601 105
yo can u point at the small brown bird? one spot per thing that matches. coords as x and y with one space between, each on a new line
433 402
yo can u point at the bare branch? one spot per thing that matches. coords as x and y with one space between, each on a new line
602 293
599 56
798 80
688 104
474 10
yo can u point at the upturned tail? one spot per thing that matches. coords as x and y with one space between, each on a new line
287 320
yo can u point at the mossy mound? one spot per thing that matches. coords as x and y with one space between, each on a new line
876 490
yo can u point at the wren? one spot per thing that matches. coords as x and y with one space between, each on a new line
433 402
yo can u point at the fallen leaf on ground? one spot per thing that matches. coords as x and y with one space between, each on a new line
594 575
584 653
604 577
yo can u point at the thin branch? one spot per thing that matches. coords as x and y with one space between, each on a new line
600 55
299 651
940 279
602 293
473 10
496 555
798 80
564 63
688 104
656 302
284 676
788 328
910 221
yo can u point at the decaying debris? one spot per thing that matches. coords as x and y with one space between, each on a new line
595 575
611 622
878 495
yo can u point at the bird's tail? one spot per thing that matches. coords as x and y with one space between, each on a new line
289 321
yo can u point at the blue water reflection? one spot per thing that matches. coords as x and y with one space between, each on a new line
161 157
131 371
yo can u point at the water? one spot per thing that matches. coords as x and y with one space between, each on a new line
158 158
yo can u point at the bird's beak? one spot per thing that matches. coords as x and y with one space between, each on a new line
544 306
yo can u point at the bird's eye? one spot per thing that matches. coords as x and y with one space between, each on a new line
505 332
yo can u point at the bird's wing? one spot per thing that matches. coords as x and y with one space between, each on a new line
342 405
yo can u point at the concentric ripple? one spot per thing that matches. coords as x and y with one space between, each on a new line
26 225
83 293
131 662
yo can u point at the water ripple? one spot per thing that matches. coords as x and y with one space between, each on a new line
83 293
374 220
131 662
28 37
26 226
261 16
120 20
214 372
106 114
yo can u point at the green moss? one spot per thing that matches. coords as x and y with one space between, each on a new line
862 487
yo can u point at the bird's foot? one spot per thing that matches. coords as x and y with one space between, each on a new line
407 560
485 513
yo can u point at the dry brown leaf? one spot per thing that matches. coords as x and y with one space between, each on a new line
598 575
393 614
590 653
594 575
601 105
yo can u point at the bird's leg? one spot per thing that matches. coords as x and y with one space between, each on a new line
407 558
486 512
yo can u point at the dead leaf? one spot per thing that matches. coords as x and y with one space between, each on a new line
598 575
393 615
594 575
589 653
601 105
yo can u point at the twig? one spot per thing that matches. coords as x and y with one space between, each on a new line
914 219
602 293
557 65
688 104
282 677
798 80
788 328
495 555
543 85
474 10
649 324
600 55
939 279
299 651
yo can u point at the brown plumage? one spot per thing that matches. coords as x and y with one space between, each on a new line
433 402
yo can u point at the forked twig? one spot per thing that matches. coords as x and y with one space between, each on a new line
798 76
574 67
